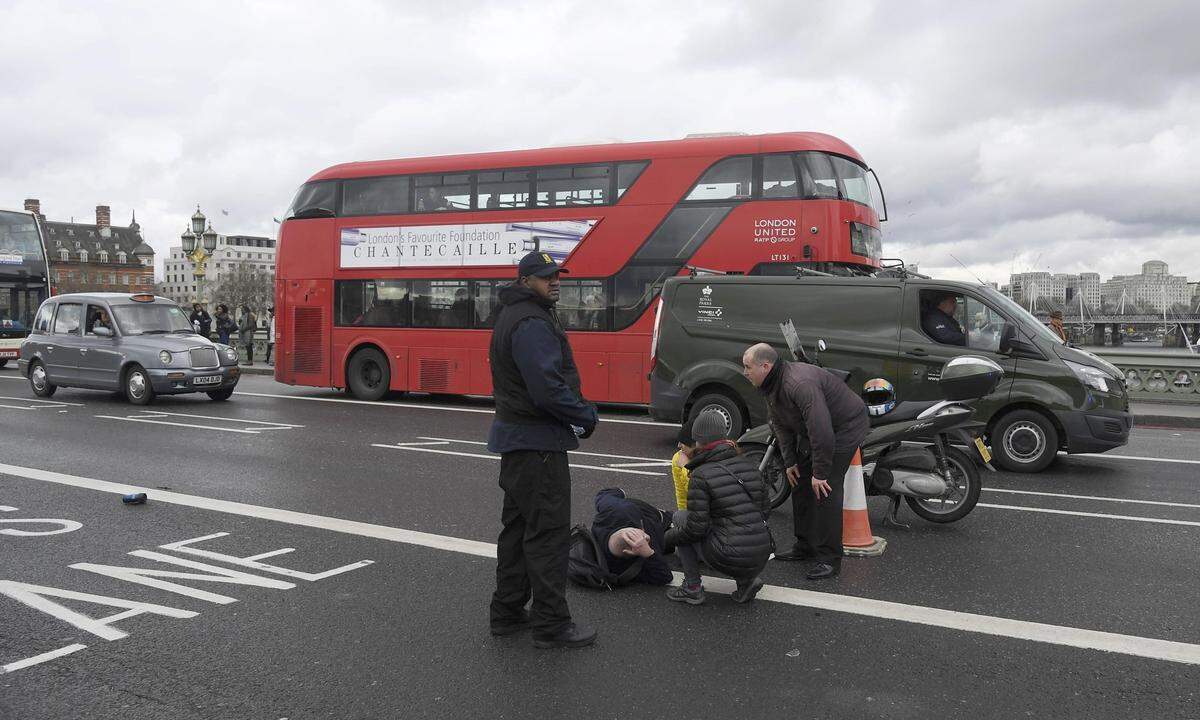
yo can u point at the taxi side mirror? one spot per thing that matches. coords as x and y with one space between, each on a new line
101 331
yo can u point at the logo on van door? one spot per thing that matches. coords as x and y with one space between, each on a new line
707 290
706 312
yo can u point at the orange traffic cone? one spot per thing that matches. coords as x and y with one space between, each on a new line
857 539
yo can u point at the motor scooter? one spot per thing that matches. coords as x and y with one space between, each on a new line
908 452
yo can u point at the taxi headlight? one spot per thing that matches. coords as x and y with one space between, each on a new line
165 357
230 354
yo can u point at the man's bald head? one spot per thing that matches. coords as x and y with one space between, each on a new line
757 362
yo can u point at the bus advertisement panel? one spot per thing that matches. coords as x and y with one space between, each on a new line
24 279
388 272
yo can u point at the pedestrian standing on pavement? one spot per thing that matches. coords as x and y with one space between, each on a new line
270 333
201 320
1056 325
540 414
726 516
247 324
820 424
225 324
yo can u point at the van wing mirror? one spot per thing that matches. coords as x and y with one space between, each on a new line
1007 335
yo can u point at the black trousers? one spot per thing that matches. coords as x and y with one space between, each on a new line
531 554
818 523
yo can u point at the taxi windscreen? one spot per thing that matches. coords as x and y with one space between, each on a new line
151 319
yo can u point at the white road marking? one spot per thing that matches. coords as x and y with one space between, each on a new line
274 425
1103 456
1092 497
44 657
419 406
497 457
176 424
571 452
53 403
1132 645
656 463
1106 516
17 407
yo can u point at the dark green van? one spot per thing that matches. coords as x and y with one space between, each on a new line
1053 396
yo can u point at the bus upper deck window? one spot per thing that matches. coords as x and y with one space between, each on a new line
727 180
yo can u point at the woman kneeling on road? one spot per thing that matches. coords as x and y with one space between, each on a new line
726 516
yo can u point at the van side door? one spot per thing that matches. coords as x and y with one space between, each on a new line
922 357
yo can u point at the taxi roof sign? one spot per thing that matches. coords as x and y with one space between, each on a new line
142 297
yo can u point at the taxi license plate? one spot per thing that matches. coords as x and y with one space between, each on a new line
207 380
983 451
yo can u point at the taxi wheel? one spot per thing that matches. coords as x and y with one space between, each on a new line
42 387
220 395
137 386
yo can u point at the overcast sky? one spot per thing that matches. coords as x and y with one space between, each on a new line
1060 136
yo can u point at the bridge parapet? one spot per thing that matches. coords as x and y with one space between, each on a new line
1163 375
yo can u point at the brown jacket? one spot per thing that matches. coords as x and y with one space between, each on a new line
1057 326
806 401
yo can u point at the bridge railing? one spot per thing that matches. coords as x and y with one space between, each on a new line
1164 375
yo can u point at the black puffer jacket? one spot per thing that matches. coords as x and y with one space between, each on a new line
728 516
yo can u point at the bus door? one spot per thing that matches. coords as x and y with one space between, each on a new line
303 337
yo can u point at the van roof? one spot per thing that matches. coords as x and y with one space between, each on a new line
816 280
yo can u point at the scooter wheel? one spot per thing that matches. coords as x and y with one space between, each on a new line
774 476
959 503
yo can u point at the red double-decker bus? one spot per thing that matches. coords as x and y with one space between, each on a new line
388 271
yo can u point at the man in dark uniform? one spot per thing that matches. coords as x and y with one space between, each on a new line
812 407
938 321
540 413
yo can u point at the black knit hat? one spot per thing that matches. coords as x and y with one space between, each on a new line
708 427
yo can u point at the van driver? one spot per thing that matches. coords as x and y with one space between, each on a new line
937 320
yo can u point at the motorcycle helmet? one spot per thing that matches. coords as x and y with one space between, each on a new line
879 395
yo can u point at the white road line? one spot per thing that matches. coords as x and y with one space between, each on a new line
420 444
176 424
44 657
17 407
419 406
1132 645
36 400
1092 497
1106 516
222 419
572 452
656 463
1103 456
497 457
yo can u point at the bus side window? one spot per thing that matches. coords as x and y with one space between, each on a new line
729 179
779 177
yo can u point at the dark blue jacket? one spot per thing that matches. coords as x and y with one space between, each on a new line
613 512
534 379
943 328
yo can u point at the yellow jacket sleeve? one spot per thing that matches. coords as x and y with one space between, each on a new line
680 475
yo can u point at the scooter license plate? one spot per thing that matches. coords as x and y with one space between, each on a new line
983 451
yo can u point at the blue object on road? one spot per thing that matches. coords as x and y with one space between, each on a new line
134 498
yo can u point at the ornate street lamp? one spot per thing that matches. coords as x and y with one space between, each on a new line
198 246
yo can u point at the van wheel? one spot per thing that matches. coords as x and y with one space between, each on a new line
41 385
1024 441
137 386
368 375
735 425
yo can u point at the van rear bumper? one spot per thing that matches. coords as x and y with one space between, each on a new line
1096 430
667 400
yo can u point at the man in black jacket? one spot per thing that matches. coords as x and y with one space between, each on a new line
540 413
939 323
808 403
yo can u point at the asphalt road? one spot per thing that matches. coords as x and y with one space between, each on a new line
379 608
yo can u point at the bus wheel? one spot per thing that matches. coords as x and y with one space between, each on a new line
42 387
734 423
3 362
368 375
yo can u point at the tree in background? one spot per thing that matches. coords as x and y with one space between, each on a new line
245 283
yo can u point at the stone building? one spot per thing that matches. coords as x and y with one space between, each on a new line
96 257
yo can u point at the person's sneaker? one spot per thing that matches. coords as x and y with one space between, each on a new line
510 627
571 636
685 594
822 570
745 593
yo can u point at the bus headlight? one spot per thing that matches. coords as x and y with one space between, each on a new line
164 357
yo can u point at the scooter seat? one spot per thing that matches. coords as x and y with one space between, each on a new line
903 411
